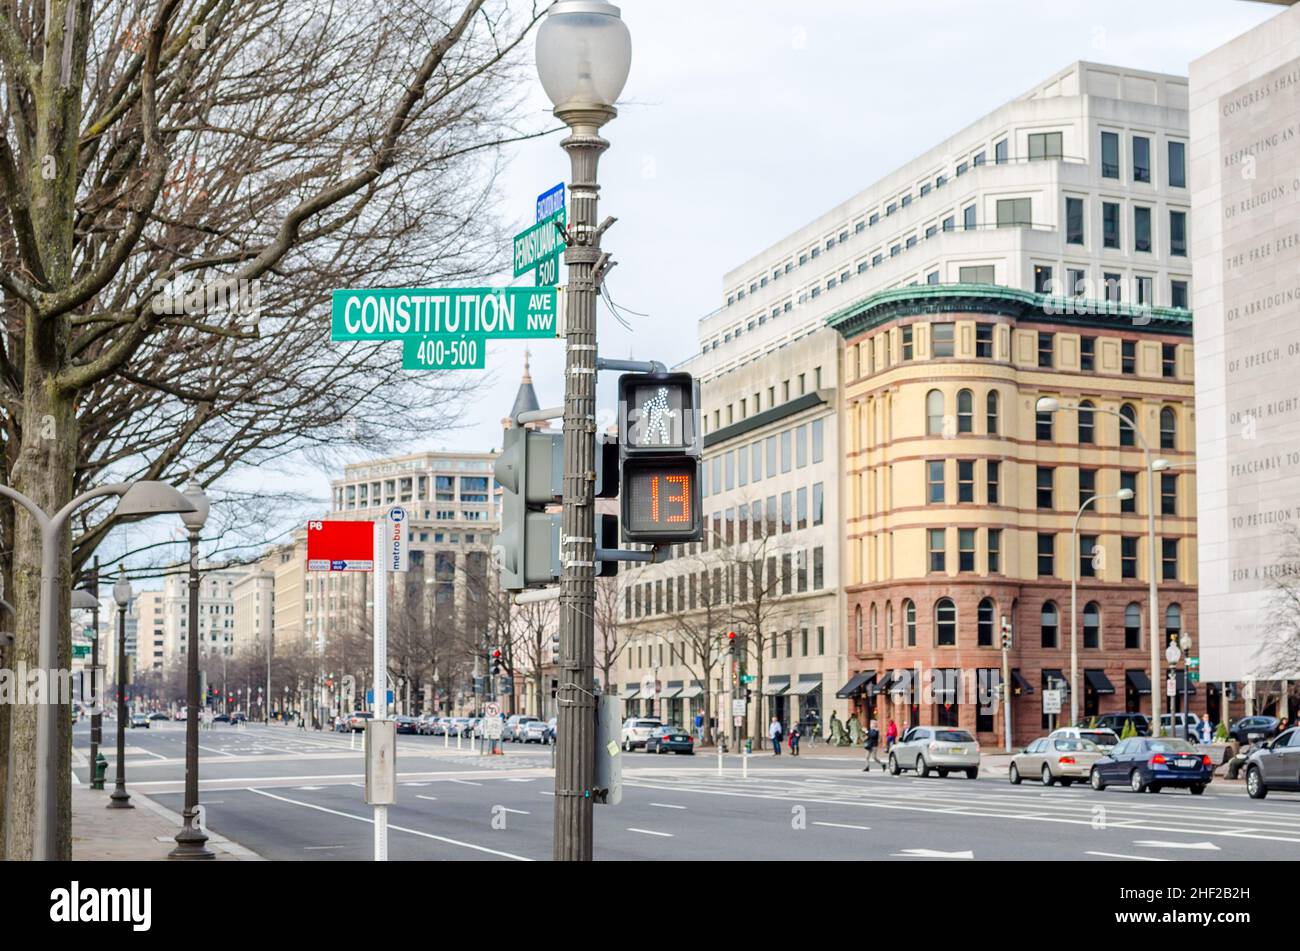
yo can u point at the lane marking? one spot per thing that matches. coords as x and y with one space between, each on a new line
518 812
320 848
843 825
665 835
430 798
1135 858
1158 844
464 782
666 805
932 854
391 827
213 749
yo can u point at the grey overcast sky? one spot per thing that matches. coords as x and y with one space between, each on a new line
744 119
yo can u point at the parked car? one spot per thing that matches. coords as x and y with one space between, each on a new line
158 716
221 718
238 718
181 714
636 730
139 719
513 729
670 739
1055 758
938 748
1258 726
1103 738
1275 765
405 724
533 731
1146 763
1117 721
1173 724
357 720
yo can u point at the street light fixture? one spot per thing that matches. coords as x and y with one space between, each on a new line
122 596
139 500
1123 495
191 840
1049 404
584 54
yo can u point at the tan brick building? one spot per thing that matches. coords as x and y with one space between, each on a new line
960 498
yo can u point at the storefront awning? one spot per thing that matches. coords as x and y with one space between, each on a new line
669 693
636 692
805 687
776 685
901 683
862 679
630 691
1138 681
691 692
1056 679
1098 682
1019 685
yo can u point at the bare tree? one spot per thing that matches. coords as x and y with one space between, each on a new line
609 642
1278 657
533 626
158 157
703 625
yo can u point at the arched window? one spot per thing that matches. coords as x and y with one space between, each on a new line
945 623
1050 624
984 623
875 630
909 623
965 411
1091 625
991 412
1168 428
1173 621
889 624
1087 423
857 626
1127 429
934 413
1133 627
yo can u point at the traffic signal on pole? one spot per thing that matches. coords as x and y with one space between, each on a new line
1006 634
496 662
731 643
555 648
749 695
659 453
530 471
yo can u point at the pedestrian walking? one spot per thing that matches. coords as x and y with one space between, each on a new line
891 734
871 743
774 734
794 739
699 727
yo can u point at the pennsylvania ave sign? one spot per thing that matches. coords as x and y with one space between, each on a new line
486 313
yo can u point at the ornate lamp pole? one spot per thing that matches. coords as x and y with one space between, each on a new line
122 595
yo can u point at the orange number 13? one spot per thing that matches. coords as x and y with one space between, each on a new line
683 482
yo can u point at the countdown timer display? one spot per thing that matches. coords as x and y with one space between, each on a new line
658 499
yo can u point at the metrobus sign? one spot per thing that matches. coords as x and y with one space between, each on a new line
491 313
340 546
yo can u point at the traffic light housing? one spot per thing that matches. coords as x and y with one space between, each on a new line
1006 634
731 643
496 662
530 471
659 454
555 648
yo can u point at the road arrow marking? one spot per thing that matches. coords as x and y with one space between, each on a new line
1157 844
932 854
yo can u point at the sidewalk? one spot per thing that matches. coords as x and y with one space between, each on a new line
143 834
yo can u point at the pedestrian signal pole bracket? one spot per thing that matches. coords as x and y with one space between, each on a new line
631 366
627 554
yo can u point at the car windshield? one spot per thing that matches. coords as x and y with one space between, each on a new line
1070 745
1171 746
1100 737
646 724
954 736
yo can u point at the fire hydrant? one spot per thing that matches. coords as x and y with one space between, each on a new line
101 768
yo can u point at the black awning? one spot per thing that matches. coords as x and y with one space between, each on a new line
859 680
880 685
1138 681
1056 679
1098 682
1019 684
1179 677
945 685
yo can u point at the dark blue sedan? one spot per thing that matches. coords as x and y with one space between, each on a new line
670 739
1149 764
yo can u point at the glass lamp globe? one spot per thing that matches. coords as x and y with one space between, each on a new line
584 54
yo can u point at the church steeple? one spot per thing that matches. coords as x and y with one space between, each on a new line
526 398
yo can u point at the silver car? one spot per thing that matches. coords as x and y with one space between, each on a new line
1056 757
940 749
1101 737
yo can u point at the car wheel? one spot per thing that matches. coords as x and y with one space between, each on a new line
922 769
973 773
1067 782
1013 775
1135 781
943 773
1197 789
1255 787
627 747
1095 780
662 750
893 765
1048 778
1153 788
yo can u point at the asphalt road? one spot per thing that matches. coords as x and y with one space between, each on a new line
293 796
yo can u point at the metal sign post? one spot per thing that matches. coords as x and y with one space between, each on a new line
380 687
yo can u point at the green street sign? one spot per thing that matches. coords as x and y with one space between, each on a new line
437 353
538 243
547 272
1193 662
80 650
748 678
1194 676
396 313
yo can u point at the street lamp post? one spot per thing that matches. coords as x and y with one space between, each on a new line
191 841
584 54
86 600
122 595
138 500
1123 495
1048 404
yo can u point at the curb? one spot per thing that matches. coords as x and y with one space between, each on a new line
217 842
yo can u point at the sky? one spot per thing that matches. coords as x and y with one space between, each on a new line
743 120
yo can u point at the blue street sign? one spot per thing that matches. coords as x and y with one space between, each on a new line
549 202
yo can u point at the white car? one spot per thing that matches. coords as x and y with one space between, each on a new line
636 730
534 731
1101 737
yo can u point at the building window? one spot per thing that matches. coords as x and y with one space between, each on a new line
1045 354
1091 626
966 549
965 480
1001 152
991 412
1045 483
1128 425
1178 234
1178 294
941 339
934 481
1076 282
948 224
1110 224
1133 627
1044 146
909 622
968 218
1014 212
818 438
1114 287
976 274
1168 428
995 550
1042 279
819 504
1074 221
965 411
1128 480
1141 229
1050 624
984 623
1087 422
1128 557
993 469
984 341
1177 165
1128 357
1168 493
1086 545
1143 287
1173 621
945 623
1043 426
1046 554
1168 559
934 413
1110 155
819 571
936 547
1087 353
1087 485
857 628
907 342
1141 159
